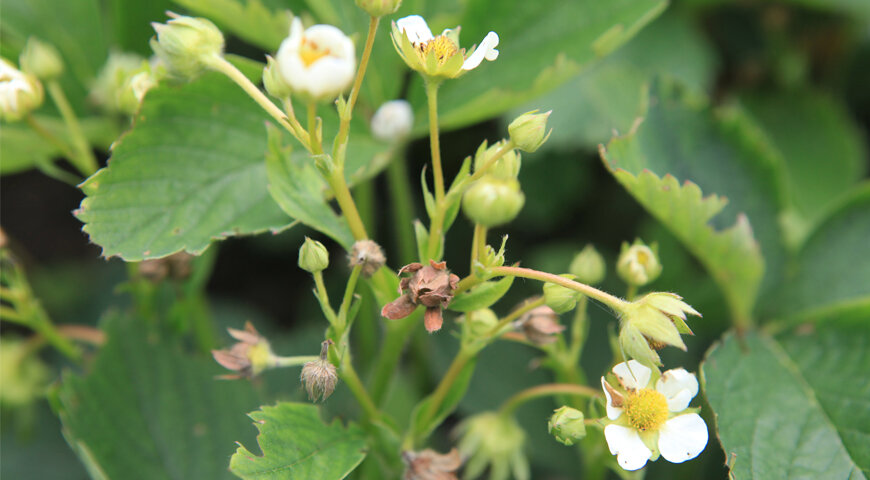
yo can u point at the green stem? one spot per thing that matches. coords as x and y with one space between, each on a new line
290 123
480 235
507 147
364 198
279 362
403 209
630 292
350 377
434 140
616 304
52 138
459 361
579 328
391 350
324 297
519 312
346 203
84 158
316 141
348 296
545 390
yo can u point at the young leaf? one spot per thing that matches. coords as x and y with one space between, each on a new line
190 171
481 296
149 411
297 444
794 406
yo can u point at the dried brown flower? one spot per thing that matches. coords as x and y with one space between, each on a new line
319 376
249 356
541 325
431 465
176 266
431 286
368 254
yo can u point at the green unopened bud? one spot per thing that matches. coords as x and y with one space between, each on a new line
529 130
274 81
638 264
23 375
480 322
653 322
508 166
313 256
20 93
40 59
494 440
187 44
379 8
493 201
588 266
567 425
561 299
122 83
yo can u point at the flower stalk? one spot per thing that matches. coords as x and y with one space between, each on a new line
83 157
545 390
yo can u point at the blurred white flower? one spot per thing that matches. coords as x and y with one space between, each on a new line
393 121
19 92
318 62
646 422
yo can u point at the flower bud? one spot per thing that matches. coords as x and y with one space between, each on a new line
313 256
114 89
319 377
40 59
393 121
567 425
379 8
369 255
187 44
23 375
318 62
638 264
508 166
493 201
480 322
495 440
273 81
561 299
588 266
20 93
529 130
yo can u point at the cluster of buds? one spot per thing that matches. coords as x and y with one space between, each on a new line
20 93
431 286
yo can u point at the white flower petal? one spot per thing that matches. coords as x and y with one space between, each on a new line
682 438
486 50
679 387
632 374
329 76
296 31
625 443
416 28
392 121
612 412
333 39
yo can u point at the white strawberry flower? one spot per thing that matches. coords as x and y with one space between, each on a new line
318 62
648 417
439 56
20 93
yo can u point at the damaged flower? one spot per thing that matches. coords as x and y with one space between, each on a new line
431 286
319 376
540 325
431 465
249 356
368 255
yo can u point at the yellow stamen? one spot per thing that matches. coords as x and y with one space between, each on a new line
443 47
310 52
646 409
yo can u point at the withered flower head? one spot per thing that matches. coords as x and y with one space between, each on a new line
541 325
176 266
319 376
249 356
431 465
431 286
368 254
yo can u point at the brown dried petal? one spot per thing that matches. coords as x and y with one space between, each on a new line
399 308
410 268
231 361
541 325
249 335
433 319
431 465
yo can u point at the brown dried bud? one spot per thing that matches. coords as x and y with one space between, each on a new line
431 286
176 266
319 376
541 325
249 356
431 465
369 255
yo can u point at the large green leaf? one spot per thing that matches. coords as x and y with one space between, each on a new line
831 274
721 154
793 407
189 172
609 96
811 130
297 444
542 45
149 411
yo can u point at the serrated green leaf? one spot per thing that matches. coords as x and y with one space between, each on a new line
795 406
542 44
299 190
190 171
481 296
297 444
250 20
831 273
149 411
717 154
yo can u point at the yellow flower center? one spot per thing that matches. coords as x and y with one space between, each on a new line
311 52
642 258
646 409
443 47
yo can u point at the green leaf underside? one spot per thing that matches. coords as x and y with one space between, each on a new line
542 45
793 407
716 154
189 172
297 444
832 271
149 411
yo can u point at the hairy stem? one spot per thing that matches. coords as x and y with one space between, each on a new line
545 390
83 157
616 304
